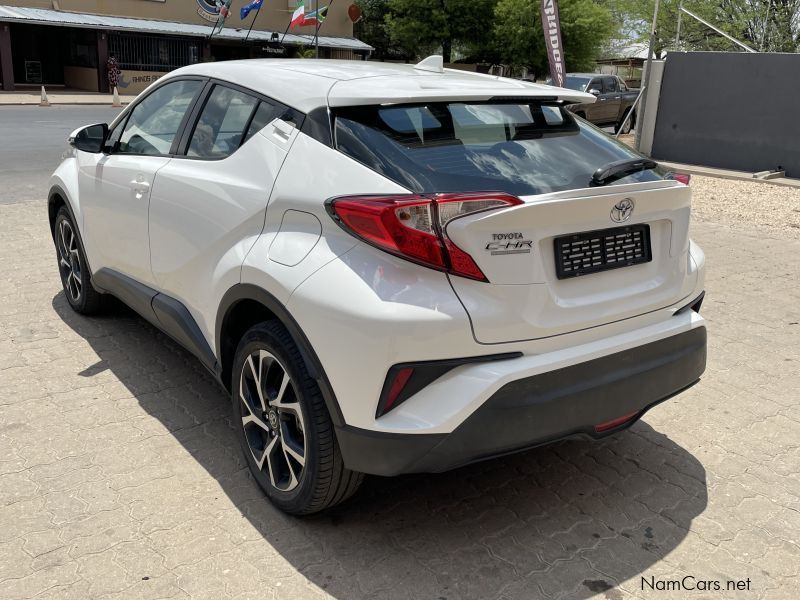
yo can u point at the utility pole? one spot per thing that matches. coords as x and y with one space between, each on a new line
316 31
646 83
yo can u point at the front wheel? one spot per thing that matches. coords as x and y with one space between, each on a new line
72 266
283 425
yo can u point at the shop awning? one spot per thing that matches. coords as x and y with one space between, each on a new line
59 18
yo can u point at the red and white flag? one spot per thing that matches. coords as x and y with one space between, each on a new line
298 16
551 23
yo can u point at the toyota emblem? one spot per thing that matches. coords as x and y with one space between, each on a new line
622 210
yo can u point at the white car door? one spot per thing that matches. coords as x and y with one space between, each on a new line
115 186
208 207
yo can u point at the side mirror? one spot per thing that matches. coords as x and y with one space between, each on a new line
89 138
594 92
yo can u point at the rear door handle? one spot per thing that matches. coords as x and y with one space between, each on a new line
140 187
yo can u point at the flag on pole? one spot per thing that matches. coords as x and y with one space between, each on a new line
551 23
298 16
245 10
224 7
316 17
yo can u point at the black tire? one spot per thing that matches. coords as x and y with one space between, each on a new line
76 278
628 126
322 480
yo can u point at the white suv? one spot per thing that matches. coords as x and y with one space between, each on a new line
390 268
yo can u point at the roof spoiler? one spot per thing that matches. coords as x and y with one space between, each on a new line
434 64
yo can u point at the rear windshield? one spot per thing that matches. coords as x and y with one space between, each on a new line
518 148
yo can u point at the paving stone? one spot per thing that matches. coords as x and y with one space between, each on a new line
138 491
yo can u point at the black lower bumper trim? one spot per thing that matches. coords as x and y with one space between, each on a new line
540 409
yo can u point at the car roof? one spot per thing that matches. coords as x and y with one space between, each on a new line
307 84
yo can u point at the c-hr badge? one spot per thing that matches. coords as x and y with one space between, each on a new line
622 210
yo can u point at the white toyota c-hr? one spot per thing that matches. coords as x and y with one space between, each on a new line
390 268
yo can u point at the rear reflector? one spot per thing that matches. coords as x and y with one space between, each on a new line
401 377
413 226
615 423
683 178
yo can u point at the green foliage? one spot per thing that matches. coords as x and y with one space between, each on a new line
372 30
745 20
421 27
585 28
305 52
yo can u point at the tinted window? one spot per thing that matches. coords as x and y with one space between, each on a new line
610 84
576 83
521 149
596 84
154 121
265 114
219 130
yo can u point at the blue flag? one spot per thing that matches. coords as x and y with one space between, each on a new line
245 10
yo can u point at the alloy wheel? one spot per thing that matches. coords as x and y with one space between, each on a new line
272 419
69 260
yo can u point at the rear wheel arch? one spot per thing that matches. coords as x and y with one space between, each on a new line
245 305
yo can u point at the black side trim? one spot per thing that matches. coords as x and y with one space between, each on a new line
246 291
162 311
136 295
425 373
177 322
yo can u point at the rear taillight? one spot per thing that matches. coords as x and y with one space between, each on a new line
683 178
413 226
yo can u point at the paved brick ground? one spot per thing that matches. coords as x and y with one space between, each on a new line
120 477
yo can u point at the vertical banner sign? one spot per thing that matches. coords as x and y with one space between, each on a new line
551 23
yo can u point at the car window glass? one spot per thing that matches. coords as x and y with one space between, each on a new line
222 122
265 114
622 86
517 147
155 121
610 84
596 84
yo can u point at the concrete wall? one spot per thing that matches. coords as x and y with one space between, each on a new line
81 78
274 16
647 125
730 110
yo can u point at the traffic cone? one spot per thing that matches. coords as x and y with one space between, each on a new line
115 101
44 101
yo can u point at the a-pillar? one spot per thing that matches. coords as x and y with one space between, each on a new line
6 66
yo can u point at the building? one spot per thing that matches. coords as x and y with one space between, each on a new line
68 42
626 61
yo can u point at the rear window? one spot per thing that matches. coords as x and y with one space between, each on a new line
519 148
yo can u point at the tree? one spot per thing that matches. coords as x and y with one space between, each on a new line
422 27
770 25
585 28
372 30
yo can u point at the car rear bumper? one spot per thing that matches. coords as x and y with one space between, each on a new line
539 409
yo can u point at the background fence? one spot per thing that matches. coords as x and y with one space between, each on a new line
730 110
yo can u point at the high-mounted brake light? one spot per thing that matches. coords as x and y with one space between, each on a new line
413 226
